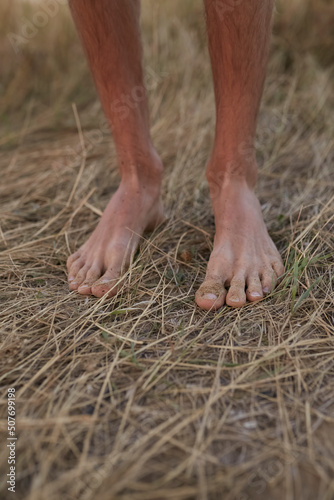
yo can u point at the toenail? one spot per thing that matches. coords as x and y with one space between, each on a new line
256 294
209 296
70 278
84 286
266 290
103 282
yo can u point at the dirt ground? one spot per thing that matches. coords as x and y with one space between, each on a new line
144 396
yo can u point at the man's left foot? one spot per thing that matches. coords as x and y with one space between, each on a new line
245 264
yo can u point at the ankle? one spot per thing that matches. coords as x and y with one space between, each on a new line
223 171
141 170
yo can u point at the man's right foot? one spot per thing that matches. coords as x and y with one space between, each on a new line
99 264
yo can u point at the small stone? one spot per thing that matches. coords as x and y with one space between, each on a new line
250 425
186 256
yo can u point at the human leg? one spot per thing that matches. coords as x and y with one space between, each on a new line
110 33
244 258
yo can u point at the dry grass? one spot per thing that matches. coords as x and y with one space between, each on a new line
145 396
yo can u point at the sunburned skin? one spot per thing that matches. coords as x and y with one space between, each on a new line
245 264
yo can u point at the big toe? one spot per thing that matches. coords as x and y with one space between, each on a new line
108 284
93 274
211 295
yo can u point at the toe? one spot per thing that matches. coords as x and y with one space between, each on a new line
79 278
107 284
93 275
71 259
211 294
254 289
268 280
74 270
236 296
279 269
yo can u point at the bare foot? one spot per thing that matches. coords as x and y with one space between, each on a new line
98 265
244 257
